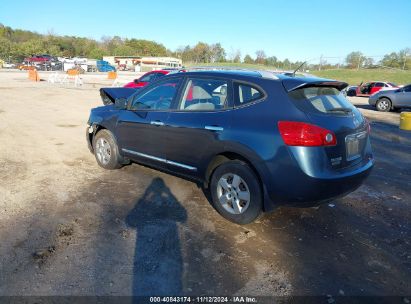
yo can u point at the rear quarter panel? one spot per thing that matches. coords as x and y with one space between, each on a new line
254 133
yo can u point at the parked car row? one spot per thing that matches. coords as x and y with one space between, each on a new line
384 96
224 130
389 100
368 88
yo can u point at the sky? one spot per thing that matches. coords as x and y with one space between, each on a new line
293 29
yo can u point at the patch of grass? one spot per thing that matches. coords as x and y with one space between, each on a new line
355 77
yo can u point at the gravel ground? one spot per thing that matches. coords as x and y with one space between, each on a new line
68 227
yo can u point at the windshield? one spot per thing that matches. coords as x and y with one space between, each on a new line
321 99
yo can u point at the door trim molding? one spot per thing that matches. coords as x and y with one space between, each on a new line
159 159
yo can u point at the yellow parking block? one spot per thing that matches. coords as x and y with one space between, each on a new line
405 121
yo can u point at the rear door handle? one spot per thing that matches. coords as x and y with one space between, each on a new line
214 128
157 123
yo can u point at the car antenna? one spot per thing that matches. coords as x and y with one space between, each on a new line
299 68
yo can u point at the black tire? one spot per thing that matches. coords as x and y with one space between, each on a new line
115 160
249 181
383 105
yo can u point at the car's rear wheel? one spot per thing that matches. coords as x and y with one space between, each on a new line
236 192
383 105
106 150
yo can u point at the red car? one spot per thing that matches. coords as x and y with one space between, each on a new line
146 79
369 88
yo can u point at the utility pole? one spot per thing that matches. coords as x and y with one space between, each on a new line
405 60
321 62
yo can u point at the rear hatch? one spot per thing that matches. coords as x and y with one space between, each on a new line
326 107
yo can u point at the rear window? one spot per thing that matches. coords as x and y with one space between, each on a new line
321 99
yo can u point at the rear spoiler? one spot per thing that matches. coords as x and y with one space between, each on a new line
292 84
109 95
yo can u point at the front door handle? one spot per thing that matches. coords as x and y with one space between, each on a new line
214 128
157 123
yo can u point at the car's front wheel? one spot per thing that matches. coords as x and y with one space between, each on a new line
383 105
236 192
106 150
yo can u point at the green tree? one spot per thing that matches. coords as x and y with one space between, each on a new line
273 61
6 48
248 59
355 59
217 53
202 53
237 57
260 57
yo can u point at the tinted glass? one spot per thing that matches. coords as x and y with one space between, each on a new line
159 75
322 99
204 95
158 98
246 94
148 78
407 88
379 85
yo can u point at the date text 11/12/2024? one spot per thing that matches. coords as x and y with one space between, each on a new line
203 299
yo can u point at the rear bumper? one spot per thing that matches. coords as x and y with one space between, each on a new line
302 190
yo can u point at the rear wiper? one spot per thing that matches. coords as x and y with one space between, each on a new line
345 110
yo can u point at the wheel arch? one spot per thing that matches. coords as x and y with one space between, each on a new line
96 128
389 99
228 156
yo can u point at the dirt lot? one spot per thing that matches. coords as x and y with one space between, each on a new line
68 227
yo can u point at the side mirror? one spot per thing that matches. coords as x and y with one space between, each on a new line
136 81
121 103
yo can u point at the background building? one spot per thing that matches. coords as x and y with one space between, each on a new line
137 63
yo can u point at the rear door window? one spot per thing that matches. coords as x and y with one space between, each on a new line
205 95
326 100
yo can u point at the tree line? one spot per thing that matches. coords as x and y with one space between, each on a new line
16 44
399 60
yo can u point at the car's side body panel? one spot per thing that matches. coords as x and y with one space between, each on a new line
186 142
398 97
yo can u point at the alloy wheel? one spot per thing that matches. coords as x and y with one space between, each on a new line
233 193
103 151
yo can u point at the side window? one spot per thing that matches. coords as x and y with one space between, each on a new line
379 85
159 97
204 95
407 88
148 77
159 75
246 93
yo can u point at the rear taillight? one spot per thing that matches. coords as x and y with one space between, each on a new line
296 133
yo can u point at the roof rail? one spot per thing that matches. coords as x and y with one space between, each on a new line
263 73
